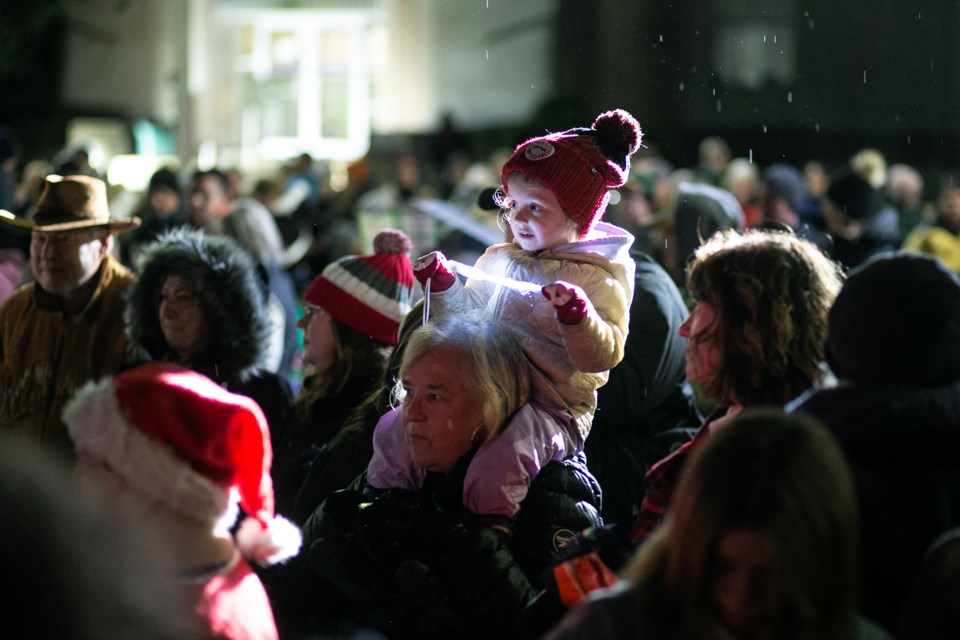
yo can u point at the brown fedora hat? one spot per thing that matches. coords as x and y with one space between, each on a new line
71 202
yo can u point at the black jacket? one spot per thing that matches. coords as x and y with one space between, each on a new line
322 450
903 446
646 408
417 565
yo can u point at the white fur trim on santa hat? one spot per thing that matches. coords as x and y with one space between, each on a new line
98 426
276 542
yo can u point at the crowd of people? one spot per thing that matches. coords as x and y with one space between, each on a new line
724 403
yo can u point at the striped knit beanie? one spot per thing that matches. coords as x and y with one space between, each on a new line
580 166
370 294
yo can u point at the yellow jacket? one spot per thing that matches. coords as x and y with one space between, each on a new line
935 241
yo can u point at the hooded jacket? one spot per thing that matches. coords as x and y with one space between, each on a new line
226 281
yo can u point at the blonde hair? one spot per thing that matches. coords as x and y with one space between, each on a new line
491 362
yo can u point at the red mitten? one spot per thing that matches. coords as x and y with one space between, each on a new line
434 266
568 300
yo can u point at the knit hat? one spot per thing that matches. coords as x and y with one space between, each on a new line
370 294
897 321
179 438
855 196
580 166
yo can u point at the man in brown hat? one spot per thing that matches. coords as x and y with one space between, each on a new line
66 328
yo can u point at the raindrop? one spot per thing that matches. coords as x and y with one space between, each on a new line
487 52
817 127
714 91
790 96
764 128
681 86
719 105
864 76
774 39
908 139
764 38
750 156
661 37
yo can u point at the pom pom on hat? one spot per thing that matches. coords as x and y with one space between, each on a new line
580 166
370 294
896 321
181 439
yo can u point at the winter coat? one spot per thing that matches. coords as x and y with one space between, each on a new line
902 445
46 355
646 408
570 361
226 280
417 565
316 453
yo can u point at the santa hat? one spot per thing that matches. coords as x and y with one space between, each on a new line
580 166
371 294
180 439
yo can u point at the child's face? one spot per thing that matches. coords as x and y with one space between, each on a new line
535 216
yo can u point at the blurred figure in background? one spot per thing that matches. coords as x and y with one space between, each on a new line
905 192
941 237
816 181
163 209
784 196
742 179
14 242
208 200
713 156
856 213
250 224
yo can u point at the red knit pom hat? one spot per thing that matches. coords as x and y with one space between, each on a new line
580 166
181 439
370 294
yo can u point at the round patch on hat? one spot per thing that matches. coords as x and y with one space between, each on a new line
539 150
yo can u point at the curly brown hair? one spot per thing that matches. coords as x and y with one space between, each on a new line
771 292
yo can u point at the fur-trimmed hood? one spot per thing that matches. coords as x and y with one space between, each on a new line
230 289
